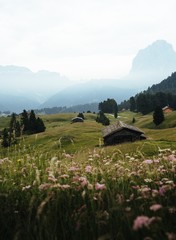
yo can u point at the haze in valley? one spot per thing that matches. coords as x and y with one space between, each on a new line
47 46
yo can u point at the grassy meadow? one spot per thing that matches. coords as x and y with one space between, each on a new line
64 184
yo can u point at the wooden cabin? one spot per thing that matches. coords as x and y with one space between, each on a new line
167 109
77 119
121 132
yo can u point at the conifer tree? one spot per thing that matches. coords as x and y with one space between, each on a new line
158 116
18 129
132 104
80 115
12 126
5 138
40 125
101 118
32 122
25 121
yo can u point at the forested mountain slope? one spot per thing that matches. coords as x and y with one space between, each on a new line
168 85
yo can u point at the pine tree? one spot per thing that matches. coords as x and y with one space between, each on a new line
40 127
25 121
132 104
18 129
158 116
101 118
115 109
13 122
12 128
5 138
32 122
134 120
81 115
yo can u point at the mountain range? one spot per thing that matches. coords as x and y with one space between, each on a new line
23 89
152 64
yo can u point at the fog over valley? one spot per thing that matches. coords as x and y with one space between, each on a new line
21 88
62 53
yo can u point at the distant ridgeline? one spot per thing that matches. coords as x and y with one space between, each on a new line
90 107
161 94
167 85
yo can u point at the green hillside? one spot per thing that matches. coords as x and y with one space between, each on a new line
63 184
61 135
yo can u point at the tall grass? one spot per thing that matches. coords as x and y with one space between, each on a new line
93 194
63 184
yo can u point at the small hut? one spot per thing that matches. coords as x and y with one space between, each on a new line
167 109
121 132
77 119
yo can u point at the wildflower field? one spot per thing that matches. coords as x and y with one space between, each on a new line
102 193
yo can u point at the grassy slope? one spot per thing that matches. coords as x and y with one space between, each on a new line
61 134
43 192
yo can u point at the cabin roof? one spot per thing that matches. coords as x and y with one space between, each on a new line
167 107
118 126
77 118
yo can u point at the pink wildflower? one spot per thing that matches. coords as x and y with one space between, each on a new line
64 186
145 192
155 193
73 169
75 179
52 178
96 155
148 161
99 186
64 176
67 155
140 222
162 191
172 157
45 186
83 181
88 169
135 187
156 161
155 207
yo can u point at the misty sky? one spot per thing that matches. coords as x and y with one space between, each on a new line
82 39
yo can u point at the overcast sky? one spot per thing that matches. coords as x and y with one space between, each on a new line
82 39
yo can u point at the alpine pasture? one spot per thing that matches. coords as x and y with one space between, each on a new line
64 184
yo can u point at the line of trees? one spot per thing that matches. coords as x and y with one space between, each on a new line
145 102
30 124
27 123
107 106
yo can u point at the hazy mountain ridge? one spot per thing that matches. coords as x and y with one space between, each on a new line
160 55
168 85
87 93
25 80
21 88
151 65
88 107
